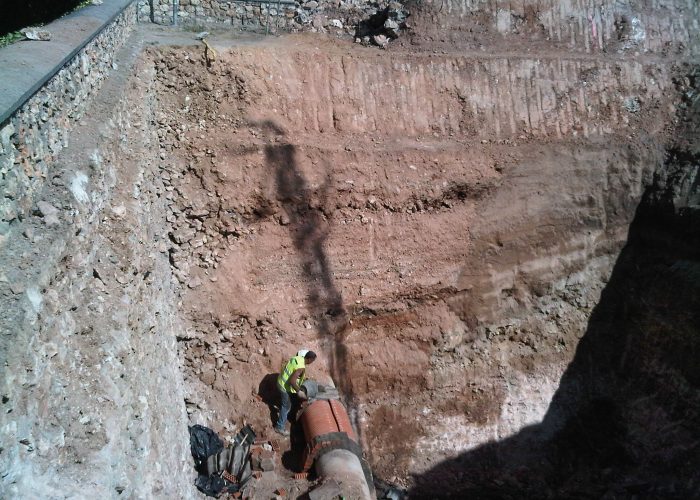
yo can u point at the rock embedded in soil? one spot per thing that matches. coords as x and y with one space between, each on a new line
49 213
420 239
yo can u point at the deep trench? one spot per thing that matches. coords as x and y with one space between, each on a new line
567 280
495 254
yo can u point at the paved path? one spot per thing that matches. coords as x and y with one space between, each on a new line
27 65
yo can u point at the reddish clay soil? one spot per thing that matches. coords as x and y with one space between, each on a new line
438 227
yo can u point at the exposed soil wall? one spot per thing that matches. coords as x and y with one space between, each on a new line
444 250
664 27
493 252
622 421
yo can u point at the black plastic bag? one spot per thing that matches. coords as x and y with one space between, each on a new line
204 443
214 486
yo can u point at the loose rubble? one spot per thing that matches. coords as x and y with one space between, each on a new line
36 34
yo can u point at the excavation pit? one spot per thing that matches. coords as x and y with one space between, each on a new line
439 235
491 246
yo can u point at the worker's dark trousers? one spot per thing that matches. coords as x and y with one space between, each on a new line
287 400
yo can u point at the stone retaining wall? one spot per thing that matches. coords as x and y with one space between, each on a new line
32 137
335 16
92 393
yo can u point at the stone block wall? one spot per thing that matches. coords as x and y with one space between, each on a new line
39 130
335 16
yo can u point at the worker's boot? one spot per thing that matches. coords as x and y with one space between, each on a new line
282 432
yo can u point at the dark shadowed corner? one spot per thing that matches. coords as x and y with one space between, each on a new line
624 421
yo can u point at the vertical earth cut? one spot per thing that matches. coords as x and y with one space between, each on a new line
441 222
488 232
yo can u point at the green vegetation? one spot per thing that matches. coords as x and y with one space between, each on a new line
16 36
82 4
10 38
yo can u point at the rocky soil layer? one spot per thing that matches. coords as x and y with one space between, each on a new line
439 227
489 237
666 28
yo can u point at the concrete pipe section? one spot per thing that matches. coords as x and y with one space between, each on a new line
332 446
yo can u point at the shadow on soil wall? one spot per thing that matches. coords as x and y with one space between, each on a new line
309 229
625 420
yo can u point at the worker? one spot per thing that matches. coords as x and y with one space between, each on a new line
289 384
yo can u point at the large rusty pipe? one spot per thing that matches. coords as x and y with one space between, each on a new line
333 447
325 417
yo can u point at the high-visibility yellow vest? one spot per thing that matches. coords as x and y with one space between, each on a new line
292 365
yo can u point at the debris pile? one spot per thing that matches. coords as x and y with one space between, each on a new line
36 34
384 26
263 457
198 236
248 467
221 469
